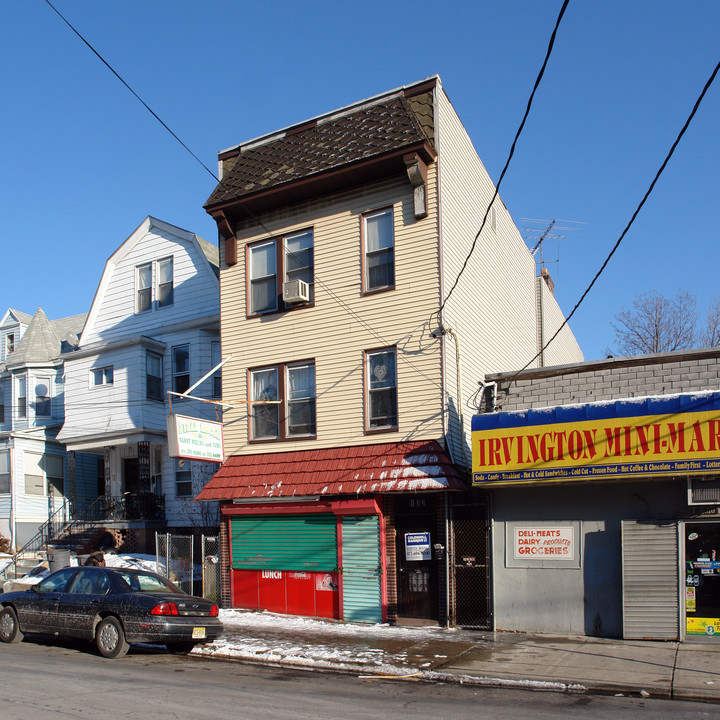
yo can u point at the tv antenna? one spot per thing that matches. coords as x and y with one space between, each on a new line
546 230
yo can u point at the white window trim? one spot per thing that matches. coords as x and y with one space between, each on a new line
154 287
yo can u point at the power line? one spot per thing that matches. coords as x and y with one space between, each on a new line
632 219
117 75
510 156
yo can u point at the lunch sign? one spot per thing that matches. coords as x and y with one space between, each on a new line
623 439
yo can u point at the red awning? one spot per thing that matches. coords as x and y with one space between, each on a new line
353 470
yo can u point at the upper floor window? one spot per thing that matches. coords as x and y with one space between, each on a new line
165 282
143 283
215 359
181 368
4 472
271 264
283 402
21 397
154 282
381 411
43 403
102 376
183 479
9 343
154 375
378 250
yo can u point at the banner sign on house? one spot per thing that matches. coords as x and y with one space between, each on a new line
623 439
194 439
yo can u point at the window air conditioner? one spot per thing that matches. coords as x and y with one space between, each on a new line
296 291
703 490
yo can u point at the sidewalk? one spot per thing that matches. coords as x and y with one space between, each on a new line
565 664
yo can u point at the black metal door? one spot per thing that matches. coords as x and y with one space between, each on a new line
471 565
417 578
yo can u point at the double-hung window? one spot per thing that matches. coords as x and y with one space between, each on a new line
154 283
143 284
271 263
21 397
183 479
4 472
381 409
165 282
43 403
378 250
154 375
283 402
181 368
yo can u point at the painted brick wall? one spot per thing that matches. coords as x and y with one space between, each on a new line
611 379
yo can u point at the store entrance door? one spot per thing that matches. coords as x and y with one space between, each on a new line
415 523
702 580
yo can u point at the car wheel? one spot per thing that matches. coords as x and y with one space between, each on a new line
9 626
180 648
110 638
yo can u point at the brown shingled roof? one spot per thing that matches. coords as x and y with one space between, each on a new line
354 470
360 134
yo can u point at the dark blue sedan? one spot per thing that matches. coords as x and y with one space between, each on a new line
112 606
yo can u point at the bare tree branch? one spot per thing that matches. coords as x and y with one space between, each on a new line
656 324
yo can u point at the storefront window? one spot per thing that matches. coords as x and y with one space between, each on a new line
702 579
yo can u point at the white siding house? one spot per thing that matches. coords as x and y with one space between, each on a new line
33 465
153 327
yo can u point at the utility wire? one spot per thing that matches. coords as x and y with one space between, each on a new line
510 156
147 107
632 219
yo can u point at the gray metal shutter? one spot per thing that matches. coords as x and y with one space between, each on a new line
362 574
650 580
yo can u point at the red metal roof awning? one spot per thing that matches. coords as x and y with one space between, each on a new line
352 470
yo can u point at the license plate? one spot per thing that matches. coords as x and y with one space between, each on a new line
198 633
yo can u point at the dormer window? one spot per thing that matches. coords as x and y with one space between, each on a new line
154 285
9 343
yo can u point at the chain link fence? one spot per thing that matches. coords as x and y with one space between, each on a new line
175 559
211 568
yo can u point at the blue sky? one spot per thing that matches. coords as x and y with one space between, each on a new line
83 162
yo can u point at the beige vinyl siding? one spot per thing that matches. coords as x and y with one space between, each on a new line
493 308
343 323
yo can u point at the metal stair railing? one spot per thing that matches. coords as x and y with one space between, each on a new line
38 541
143 506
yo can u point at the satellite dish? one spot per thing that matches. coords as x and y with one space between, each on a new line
181 463
72 339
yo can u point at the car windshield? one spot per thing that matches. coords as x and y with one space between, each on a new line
147 582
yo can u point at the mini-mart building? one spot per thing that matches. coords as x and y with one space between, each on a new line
604 480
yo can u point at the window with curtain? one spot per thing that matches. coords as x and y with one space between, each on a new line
381 390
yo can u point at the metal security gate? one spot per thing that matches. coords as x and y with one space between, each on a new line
471 565
361 571
650 582
175 559
284 542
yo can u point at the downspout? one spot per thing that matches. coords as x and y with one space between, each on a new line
13 521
